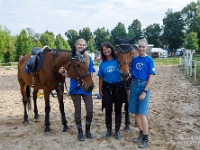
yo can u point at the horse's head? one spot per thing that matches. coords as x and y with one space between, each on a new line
125 52
79 70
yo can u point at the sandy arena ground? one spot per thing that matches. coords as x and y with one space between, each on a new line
174 118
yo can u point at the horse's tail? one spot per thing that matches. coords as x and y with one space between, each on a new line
28 95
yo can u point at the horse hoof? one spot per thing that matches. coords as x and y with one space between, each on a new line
37 116
127 128
135 125
65 128
47 131
25 122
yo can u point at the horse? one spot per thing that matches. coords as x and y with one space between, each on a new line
125 53
48 78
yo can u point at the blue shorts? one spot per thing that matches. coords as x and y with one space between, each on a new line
137 106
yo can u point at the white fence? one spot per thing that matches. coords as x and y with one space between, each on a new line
189 65
8 65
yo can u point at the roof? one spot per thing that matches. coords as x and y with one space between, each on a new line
158 50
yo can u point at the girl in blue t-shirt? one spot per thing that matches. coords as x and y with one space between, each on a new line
111 89
76 94
142 73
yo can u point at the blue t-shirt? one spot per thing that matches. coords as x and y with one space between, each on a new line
109 71
142 67
74 83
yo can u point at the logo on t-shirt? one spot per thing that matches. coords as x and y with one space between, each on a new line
110 69
139 66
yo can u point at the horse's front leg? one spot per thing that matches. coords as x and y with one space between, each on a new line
47 111
62 112
127 115
35 103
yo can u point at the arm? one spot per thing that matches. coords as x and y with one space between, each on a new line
63 71
149 82
100 86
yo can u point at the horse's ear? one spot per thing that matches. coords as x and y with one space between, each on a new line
135 46
83 50
133 39
115 38
74 51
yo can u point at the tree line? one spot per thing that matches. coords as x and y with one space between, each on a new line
179 29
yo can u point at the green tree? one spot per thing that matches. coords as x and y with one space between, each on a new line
191 15
91 46
23 44
131 34
47 39
101 35
86 34
35 37
191 41
152 33
173 27
119 31
61 43
72 36
135 29
7 48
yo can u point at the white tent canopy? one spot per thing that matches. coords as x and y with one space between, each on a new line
159 52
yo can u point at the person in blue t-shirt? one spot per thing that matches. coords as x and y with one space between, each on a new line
111 89
76 94
143 71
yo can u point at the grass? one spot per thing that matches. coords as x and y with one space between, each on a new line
166 61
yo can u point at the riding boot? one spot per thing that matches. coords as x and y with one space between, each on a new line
117 126
139 139
79 127
144 142
109 131
108 125
87 127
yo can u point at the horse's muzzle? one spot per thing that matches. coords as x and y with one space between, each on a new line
89 88
125 77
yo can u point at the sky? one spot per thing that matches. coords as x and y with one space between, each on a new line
59 16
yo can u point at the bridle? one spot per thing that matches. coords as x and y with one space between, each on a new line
121 49
81 59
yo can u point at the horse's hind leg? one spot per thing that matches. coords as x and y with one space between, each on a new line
25 100
62 112
35 103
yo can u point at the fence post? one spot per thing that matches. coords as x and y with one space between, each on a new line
195 71
190 68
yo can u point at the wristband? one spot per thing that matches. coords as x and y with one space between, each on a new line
145 91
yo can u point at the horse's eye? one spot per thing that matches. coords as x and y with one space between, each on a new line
78 66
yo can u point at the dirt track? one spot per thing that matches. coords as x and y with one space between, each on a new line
174 118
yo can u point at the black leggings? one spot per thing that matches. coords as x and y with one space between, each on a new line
117 97
77 104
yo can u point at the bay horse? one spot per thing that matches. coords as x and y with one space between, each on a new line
48 78
126 50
